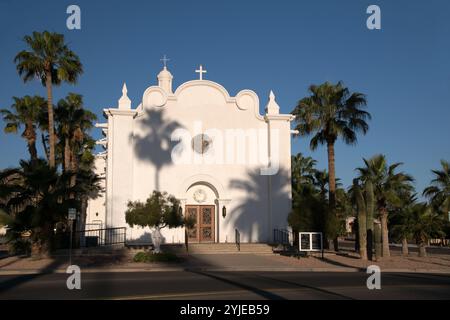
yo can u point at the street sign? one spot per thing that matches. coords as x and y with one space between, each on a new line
72 214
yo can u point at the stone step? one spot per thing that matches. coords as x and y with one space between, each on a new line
211 248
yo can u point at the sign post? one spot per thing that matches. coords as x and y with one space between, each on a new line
72 215
311 241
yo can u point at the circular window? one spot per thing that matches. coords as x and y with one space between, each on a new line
201 143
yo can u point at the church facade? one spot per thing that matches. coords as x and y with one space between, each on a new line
228 164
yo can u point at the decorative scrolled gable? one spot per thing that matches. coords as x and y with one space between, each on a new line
247 100
198 93
202 92
154 96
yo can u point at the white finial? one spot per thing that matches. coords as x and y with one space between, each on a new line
271 95
200 71
124 101
164 61
272 106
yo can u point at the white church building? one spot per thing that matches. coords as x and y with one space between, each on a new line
228 164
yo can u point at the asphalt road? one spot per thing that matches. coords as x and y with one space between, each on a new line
187 285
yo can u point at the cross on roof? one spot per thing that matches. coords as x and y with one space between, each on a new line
200 71
164 60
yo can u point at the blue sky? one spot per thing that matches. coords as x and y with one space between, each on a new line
260 45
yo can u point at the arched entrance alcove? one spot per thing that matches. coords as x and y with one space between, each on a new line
201 197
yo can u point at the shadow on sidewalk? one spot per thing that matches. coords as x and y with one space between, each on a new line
21 279
340 264
59 262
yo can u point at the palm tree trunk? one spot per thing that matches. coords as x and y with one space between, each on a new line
385 233
44 146
332 188
83 215
66 154
331 175
377 240
422 249
30 135
362 236
74 167
32 150
51 129
405 250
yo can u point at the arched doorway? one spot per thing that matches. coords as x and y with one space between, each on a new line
201 200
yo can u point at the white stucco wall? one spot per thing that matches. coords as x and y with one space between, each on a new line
139 159
96 210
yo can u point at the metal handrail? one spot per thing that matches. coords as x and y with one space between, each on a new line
95 237
281 236
237 239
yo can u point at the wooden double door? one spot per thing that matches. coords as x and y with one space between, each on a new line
203 230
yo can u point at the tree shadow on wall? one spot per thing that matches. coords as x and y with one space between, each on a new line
255 203
155 146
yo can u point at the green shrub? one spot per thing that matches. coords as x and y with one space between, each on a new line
19 246
156 257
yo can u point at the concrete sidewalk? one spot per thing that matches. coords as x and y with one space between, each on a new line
226 262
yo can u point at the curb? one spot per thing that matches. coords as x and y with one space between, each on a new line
227 269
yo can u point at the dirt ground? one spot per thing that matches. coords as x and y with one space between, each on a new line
434 262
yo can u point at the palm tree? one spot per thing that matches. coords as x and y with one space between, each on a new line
401 219
439 190
302 172
73 123
26 112
322 181
425 224
388 186
39 196
309 193
48 59
331 112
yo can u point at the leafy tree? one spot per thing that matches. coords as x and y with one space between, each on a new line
308 213
49 59
388 185
25 112
160 210
439 190
330 112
